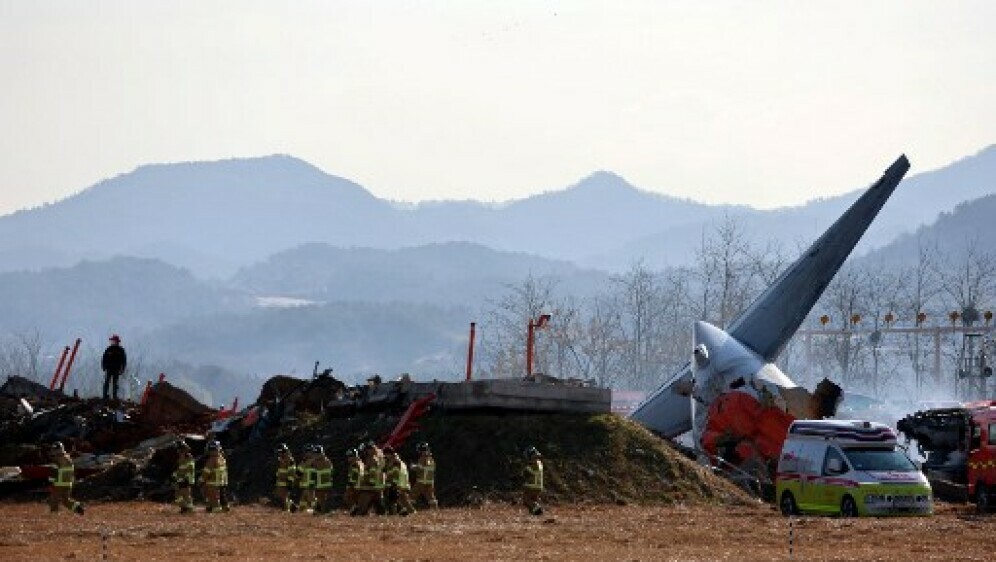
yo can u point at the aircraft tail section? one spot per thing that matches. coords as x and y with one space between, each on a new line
668 410
770 321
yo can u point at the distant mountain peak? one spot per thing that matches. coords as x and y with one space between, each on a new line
608 184
271 164
275 172
604 180
278 158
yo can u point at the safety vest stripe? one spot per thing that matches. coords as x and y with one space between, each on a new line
426 474
354 476
285 475
64 477
373 479
217 476
398 476
186 471
534 479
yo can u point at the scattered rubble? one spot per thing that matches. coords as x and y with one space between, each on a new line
478 430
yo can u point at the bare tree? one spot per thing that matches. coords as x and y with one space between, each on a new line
968 278
21 355
677 317
882 297
634 298
919 295
728 270
504 331
595 344
842 301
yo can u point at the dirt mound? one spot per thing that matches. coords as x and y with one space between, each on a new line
589 458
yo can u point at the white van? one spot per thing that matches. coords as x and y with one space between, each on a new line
849 468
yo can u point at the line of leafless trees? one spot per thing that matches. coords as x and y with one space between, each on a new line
637 332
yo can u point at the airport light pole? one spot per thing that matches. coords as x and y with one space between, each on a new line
534 325
470 351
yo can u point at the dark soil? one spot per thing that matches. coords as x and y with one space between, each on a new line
588 458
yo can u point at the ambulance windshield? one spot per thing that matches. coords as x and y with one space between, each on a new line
876 459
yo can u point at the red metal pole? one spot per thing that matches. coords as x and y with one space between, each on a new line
69 366
470 350
530 336
235 404
529 348
58 368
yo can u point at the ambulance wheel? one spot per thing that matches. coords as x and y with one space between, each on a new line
787 504
983 502
848 508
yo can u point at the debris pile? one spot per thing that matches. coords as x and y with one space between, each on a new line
125 451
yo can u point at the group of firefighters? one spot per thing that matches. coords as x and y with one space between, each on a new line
376 479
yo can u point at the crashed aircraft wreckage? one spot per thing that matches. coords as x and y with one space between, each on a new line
735 401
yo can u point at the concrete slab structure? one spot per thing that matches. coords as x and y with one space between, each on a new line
498 394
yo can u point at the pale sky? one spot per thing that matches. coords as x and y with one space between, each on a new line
765 103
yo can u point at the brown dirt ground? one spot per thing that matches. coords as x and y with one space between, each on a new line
149 531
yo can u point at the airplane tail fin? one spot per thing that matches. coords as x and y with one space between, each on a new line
771 320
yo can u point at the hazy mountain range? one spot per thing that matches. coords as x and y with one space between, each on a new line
187 260
215 217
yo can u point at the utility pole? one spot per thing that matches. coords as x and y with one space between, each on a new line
534 325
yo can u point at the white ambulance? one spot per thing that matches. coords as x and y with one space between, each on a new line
848 468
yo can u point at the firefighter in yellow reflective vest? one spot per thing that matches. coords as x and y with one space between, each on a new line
306 479
377 454
398 488
424 474
532 489
286 476
214 476
184 476
62 479
370 490
322 470
353 476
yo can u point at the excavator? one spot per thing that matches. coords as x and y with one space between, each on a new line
736 403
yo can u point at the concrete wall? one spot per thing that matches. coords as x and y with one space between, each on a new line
511 394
